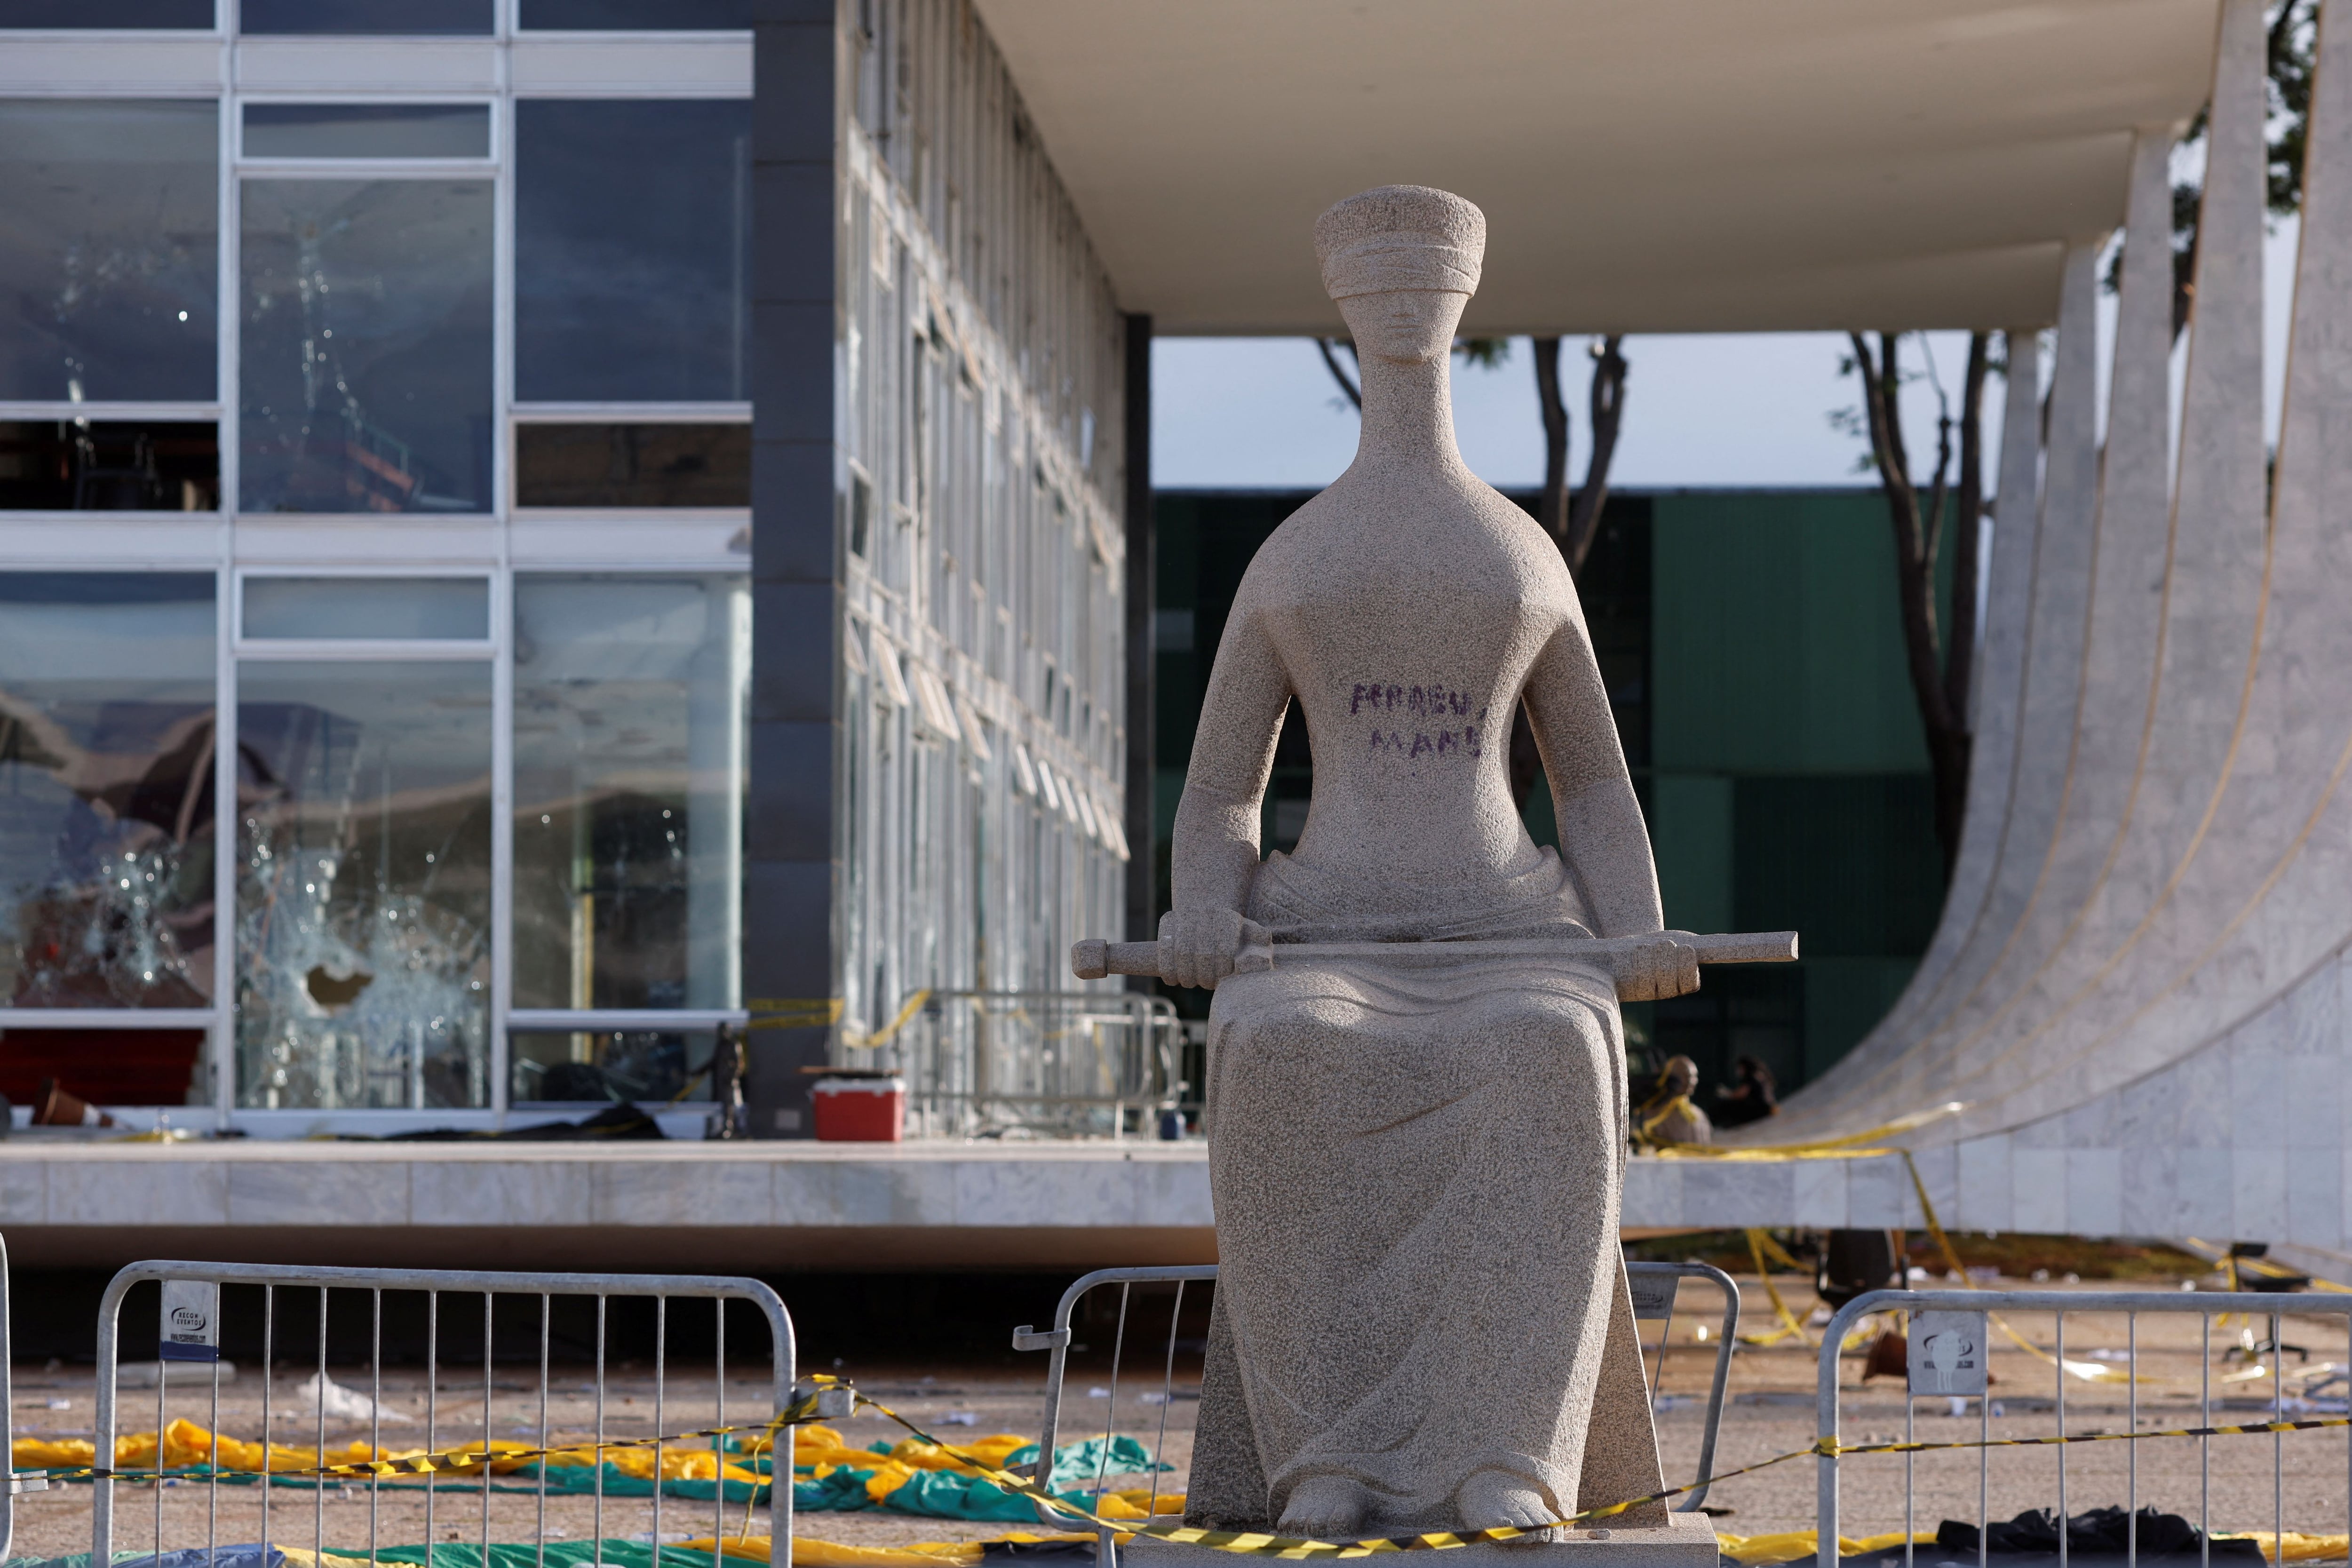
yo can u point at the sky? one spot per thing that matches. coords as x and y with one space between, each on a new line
1700 410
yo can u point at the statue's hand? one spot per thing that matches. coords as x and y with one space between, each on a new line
1197 947
1663 967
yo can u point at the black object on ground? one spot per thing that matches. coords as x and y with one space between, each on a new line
614 1121
2098 1534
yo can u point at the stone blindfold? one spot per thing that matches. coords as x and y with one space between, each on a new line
1393 261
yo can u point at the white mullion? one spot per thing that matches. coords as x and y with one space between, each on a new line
616 413
501 832
502 314
361 651
227 440
148 412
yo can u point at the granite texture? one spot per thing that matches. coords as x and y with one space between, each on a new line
1417 1169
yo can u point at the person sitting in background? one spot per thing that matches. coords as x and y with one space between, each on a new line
1669 1116
1753 1098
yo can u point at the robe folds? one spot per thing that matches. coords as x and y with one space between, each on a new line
1416 1164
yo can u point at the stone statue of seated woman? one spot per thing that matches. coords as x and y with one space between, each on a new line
1416 1167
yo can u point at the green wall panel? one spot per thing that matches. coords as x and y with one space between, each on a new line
1777 646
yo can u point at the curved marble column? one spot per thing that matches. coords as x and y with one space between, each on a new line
2055 587
2175 1058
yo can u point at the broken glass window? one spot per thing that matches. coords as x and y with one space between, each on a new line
363 885
106 789
365 360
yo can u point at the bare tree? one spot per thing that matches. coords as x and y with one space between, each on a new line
1575 520
1939 651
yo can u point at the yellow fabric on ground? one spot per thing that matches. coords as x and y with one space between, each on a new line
808 1553
2298 1547
1790 1545
185 1443
303 1557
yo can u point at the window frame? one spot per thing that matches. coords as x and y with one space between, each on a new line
496 545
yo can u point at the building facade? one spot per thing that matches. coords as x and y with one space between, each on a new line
525 525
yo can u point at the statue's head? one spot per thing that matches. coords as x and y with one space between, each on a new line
1401 262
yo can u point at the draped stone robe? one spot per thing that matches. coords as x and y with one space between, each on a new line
1401 1152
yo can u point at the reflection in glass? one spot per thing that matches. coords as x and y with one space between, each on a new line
646 15
367 130
106 789
347 607
366 354
363 885
459 18
631 233
628 765
141 13
109 254
607 1065
103 464
633 464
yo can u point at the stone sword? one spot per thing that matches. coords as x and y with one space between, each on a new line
1096 958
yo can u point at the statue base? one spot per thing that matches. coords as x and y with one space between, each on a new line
1686 1540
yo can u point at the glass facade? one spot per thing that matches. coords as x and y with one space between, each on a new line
107 707
110 258
362 382
366 345
628 703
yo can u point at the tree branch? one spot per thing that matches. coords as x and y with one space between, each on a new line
1961 640
1608 408
1331 363
1551 507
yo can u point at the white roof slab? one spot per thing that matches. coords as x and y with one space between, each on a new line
1645 165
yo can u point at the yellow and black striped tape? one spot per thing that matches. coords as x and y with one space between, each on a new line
1257 1544
1235 1542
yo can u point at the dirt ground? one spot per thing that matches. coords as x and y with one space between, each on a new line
1769 1413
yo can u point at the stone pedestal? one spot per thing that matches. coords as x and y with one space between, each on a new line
1686 1540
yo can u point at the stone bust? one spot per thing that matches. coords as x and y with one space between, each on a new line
1416 1168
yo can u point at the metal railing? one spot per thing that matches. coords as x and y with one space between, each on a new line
1066 1063
192 1292
1950 1336
1653 1291
14 1483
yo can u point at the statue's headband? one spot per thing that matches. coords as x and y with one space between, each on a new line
1401 236
1384 262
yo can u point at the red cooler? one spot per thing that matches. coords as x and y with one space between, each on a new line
860 1110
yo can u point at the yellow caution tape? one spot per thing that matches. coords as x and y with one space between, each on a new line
823 1012
1253 1543
889 1031
803 1013
1849 1147
1758 1243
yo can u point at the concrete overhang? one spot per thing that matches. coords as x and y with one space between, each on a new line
1645 166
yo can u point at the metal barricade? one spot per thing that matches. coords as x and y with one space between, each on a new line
192 1316
15 1483
1951 1336
1066 1063
1653 1285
